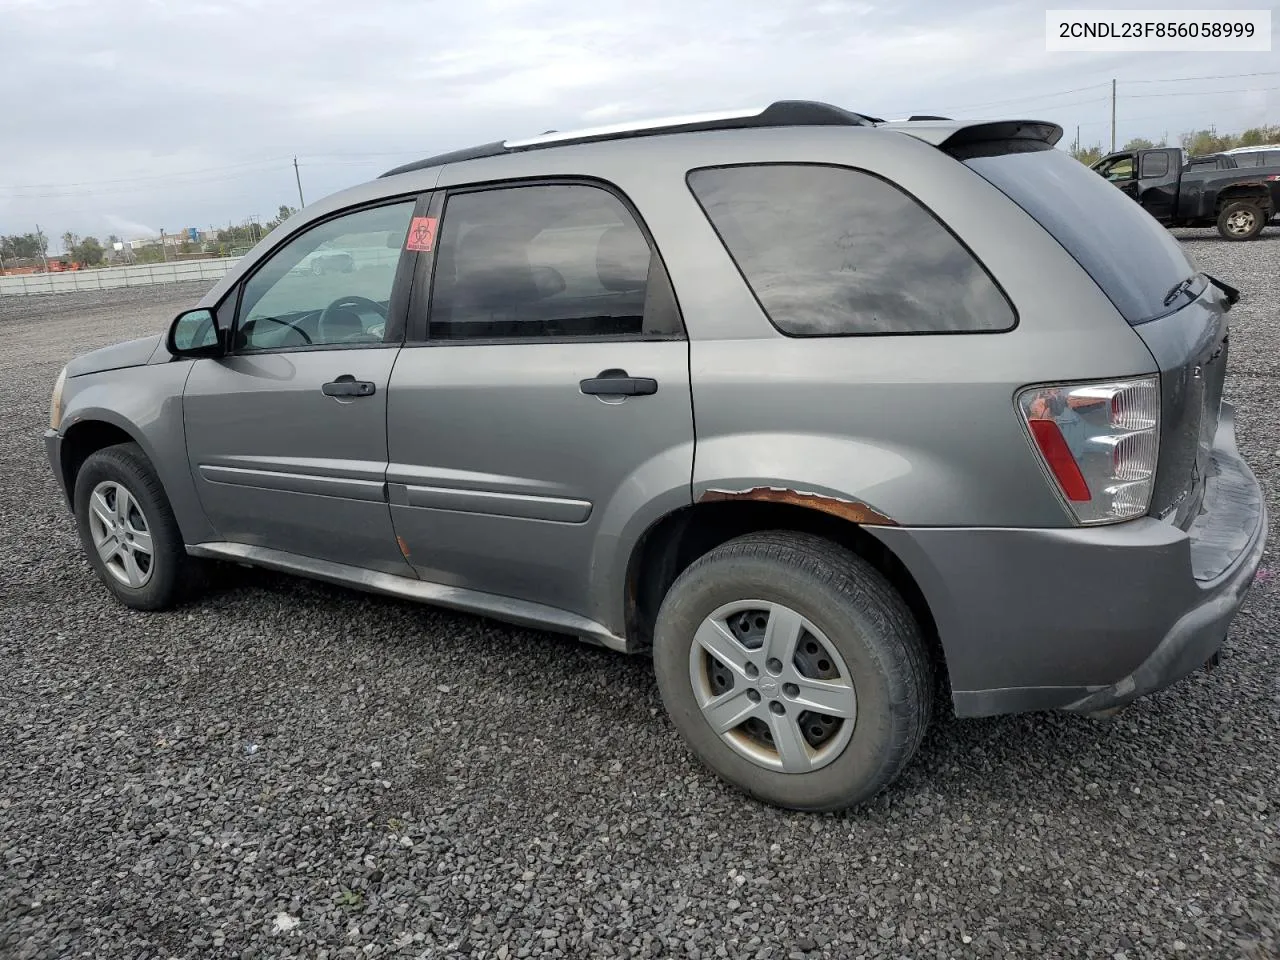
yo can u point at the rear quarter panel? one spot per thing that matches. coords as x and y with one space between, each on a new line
922 429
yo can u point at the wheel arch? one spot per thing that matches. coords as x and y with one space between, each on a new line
1243 191
87 436
676 540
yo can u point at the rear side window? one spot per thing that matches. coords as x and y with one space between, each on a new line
1155 165
832 251
1135 260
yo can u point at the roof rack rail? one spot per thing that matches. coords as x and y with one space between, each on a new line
783 113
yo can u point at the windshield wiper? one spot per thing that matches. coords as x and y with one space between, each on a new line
1182 286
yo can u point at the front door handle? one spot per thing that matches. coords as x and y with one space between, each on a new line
616 383
348 386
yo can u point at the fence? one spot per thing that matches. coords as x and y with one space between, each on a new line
108 277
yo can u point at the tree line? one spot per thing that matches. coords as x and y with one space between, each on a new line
92 252
1197 143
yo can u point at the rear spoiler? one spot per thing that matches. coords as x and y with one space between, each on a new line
983 139
1232 294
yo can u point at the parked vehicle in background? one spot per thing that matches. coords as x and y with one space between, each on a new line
327 259
1265 155
814 407
1227 190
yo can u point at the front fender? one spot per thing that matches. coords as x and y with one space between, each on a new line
146 403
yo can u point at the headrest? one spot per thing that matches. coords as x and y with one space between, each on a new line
622 259
492 268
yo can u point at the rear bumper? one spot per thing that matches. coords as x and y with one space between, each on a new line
1085 619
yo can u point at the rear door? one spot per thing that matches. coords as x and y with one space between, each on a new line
543 396
286 434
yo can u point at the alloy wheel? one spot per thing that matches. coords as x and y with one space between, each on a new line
1241 222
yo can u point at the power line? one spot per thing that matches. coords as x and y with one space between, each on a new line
996 103
1057 106
1198 93
265 161
1063 93
1221 76
156 176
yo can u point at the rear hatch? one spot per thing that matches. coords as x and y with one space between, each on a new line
1178 311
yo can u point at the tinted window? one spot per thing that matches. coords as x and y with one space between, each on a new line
1132 258
328 286
1155 165
830 251
544 261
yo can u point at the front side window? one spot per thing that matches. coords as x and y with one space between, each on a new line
330 286
832 251
1119 169
544 260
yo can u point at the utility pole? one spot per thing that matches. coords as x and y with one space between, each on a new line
164 247
1113 115
43 256
297 176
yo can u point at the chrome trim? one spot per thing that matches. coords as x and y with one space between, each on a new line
632 126
508 609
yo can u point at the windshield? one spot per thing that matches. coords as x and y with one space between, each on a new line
1135 260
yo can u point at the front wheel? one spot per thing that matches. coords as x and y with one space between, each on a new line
1241 220
128 529
793 670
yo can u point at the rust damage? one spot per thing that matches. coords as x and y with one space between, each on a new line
853 510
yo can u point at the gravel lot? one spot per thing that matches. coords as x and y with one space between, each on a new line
289 769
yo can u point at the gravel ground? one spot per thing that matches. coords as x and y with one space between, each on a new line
288 769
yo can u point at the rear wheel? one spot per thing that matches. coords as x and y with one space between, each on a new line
793 670
1241 220
128 529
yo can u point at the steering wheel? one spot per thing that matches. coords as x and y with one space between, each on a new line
285 323
353 301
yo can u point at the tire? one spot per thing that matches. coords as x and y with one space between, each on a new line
1241 220
170 574
856 614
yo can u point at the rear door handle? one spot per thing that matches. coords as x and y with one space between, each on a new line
616 383
348 386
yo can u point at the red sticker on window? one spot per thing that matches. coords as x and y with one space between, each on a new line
422 234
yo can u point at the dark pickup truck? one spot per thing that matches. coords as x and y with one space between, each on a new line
1218 190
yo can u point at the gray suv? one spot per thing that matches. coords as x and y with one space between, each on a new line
834 416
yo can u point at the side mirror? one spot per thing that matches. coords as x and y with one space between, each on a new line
194 333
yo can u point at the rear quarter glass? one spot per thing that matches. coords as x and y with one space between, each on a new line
1133 259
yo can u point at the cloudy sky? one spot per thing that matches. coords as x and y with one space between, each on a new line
126 117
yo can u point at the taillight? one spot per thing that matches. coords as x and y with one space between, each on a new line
1099 442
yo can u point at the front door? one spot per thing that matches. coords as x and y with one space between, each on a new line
286 435
1158 175
546 405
